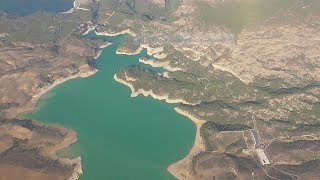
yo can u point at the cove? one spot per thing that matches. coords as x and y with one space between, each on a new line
119 137
27 7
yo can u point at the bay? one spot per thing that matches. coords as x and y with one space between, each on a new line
119 137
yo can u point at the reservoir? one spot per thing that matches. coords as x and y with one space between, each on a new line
27 7
119 137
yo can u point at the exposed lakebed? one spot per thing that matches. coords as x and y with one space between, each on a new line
119 137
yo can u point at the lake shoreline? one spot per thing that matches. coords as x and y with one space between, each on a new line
78 169
71 135
182 169
150 93
32 105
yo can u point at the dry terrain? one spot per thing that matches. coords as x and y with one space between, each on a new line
251 76
246 71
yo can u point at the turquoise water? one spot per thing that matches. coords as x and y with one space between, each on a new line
26 7
119 137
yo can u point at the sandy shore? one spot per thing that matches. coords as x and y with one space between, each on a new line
182 169
71 138
31 106
76 5
150 93
105 45
77 169
51 151
85 74
124 52
44 90
101 48
98 54
128 31
155 52
159 64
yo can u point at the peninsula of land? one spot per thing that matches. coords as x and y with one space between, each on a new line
248 80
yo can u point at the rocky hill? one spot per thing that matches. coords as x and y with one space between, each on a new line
245 71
